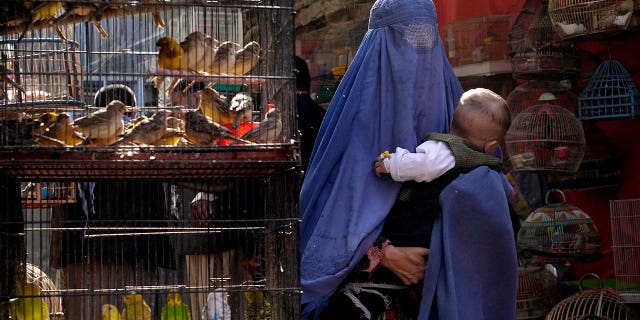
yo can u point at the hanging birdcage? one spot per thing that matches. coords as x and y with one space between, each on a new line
625 234
600 166
600 304
610 94
559 230
521 25
534 92
538 292
541 54
545 138
576 18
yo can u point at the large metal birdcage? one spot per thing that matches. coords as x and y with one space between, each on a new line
149 158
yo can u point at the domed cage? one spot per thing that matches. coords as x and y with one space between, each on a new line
540 54
610 94
579 18
600 166
598 304
534 92
538 292
545 138
559 230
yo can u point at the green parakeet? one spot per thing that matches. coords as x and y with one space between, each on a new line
175 309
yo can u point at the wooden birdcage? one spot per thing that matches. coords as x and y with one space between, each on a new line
577 18
559 230
610 94
538 292
545 138
625 234
48 72
540 54
534 92
600 303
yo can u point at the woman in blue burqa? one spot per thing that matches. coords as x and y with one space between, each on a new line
398 88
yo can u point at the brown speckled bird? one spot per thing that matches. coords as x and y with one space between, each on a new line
200 131
223 59
105 124
245 59
146 131
90 11
215 106
242 109
268 130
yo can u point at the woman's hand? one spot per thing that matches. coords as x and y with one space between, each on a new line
408 263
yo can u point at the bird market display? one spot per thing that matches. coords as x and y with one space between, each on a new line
155 154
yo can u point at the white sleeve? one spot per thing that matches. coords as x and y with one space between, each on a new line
431 160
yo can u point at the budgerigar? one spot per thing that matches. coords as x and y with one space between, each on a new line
257 308
109 312
135 308
175 309
30 305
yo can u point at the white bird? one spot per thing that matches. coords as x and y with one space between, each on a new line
217 307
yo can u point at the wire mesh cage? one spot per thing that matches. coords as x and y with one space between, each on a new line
610 94
545 138
601 304
559 230
625 234
576 18
540 54
205 77
538 292
535 92
476 40
218 243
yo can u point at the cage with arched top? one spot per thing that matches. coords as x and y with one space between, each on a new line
611 93
579 18
534 92
540 54
545 138
538 292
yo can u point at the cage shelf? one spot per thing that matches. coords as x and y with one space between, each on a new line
146 163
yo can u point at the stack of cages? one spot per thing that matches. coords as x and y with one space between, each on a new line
149 158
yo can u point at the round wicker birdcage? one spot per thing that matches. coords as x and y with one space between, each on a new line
545 138
600 166
611 93
597 304
534 92
538 292
559 230
540 54
54 302
577 18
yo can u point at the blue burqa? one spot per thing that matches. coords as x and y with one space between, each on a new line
398 88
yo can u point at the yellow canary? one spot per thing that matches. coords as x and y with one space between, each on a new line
170 53
245 59
215 106
135 308
42 11
109 312
175 309
30 305
61 130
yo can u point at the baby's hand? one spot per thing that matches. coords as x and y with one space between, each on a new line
378 164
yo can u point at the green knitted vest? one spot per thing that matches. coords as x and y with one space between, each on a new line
466 155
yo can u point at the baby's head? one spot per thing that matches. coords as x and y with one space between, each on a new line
482 117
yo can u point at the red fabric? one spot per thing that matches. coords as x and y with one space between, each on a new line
452 10
242 129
